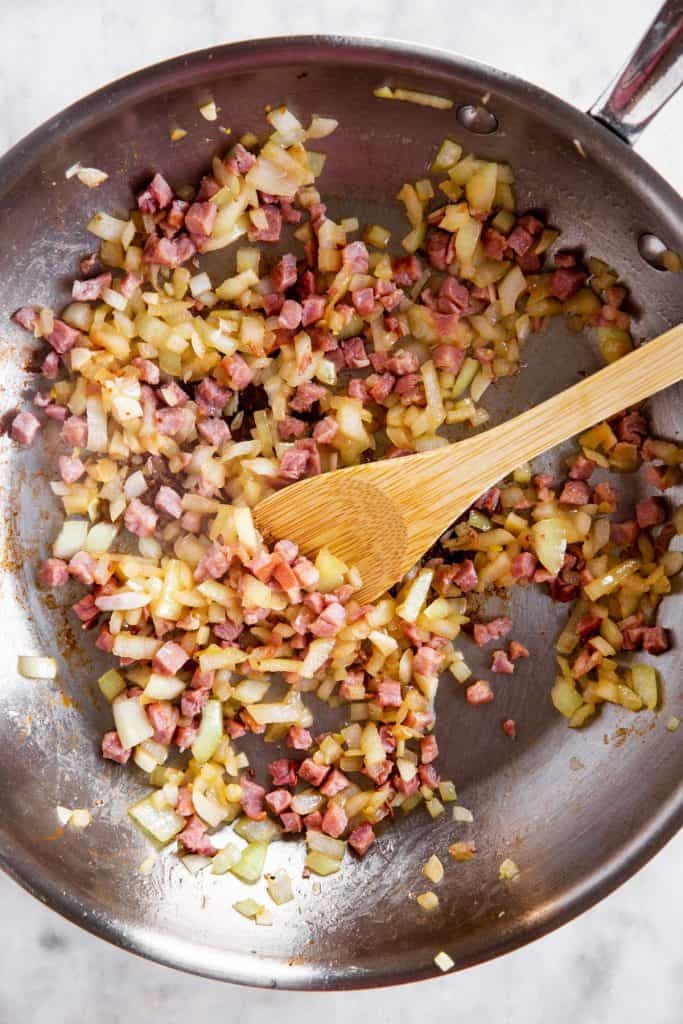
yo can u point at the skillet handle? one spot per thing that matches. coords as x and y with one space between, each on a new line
650 77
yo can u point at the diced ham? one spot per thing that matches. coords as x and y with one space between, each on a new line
588 626
127 287
363 300
493 630
192 702
517 651
175 218
523 566
429 776
173 395
403 363
283 772
355 356
564 283
380 386
163 717
290 315
86 610
306 573
140 519
325 430
200 218
291 427
631 428
271 232
429 749
252 799
148 371
494 243
299 738
82 567
157 196
448 358
169 421
605 493
650 512
655 640
355 257
184 806
358 390
582 468
293 464
334 821
500 662
273 303
241 160
510 728
194 840
311 772
170 658
24 428
213 565
214 431
291 822
26 317
211 397
388 693
306 395
284 274
624 534
168 502
336 782
479 693
168 252
53 573
519 240
312 309
330 621
575 492
585 662
112 748
437 249
427 661
406 270
70 469
278 800
86 291
50 368
489 501
184 736
362 838
238 372
56 412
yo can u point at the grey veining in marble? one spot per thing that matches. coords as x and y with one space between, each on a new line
621 962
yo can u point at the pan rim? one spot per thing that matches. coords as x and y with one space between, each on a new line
186 71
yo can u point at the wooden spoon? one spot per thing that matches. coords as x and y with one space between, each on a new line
382 516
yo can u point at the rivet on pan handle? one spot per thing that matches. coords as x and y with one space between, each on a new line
650 77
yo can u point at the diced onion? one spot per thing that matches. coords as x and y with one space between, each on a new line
131 722
33 666
70 539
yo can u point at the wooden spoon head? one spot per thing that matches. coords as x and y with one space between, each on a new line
352 517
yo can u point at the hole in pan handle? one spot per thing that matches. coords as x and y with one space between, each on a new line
650 77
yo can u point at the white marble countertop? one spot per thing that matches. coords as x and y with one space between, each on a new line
623 960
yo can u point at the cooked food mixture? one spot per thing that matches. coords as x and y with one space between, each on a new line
183 398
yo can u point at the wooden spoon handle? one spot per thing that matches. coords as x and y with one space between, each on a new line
629 380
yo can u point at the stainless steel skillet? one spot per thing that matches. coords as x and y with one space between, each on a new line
579 812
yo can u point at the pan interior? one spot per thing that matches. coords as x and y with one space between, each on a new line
576 810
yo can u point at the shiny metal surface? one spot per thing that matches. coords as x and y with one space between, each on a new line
651 76
578 811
